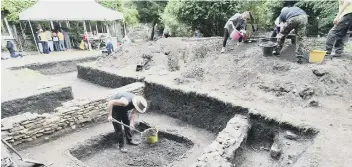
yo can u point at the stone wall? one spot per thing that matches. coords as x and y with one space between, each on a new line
58 67
39 103
221 151
30 127
104 78
200 110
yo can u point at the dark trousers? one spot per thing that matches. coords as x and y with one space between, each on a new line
56 45
226 37
337 34
122 117
275 32
45 47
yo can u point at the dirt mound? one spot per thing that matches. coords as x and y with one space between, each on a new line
243 70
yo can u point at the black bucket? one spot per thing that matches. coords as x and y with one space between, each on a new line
268 49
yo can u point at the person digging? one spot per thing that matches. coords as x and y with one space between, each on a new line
123 107
293 18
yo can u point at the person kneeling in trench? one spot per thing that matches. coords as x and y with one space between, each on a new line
120 107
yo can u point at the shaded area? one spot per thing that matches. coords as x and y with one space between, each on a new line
270 144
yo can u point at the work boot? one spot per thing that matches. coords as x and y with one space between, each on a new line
222 50
133 143
301 59
123 149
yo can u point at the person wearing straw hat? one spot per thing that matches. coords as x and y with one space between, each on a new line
123 107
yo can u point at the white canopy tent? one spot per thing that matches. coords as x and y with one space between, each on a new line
69 10
72 10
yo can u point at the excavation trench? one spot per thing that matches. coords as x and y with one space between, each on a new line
102 151
195 129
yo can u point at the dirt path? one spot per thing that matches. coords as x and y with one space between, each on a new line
56 151
80 88
56 56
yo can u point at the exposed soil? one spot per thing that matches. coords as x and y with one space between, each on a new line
317 95
58 153
103 151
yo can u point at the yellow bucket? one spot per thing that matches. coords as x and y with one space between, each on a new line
316 56
152 139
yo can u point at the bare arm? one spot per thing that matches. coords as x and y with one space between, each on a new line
132 117
345 4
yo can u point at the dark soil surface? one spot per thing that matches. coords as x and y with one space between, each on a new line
145 155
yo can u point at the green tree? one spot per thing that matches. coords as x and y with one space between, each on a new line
207 16
130 13
321 14
170 20
11 8
150 12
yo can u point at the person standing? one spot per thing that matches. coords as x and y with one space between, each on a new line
123 107
61 40
238 22
49 36
338 34
40 45
67 39
277 25
43 39
293 18
56 40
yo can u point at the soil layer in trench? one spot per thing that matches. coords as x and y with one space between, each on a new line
104 152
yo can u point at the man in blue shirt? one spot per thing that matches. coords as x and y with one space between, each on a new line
293 18
11 49
109 47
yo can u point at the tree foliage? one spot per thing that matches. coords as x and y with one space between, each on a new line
129 11
321 14
170 20
13 7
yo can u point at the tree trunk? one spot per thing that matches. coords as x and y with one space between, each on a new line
152 35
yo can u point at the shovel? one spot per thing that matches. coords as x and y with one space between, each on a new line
36 163
141 133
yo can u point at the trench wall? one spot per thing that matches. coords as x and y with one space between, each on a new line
30 128
40 103
198 109
104 78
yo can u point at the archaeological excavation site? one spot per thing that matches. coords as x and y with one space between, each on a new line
210 109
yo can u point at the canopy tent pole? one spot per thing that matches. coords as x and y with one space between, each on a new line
85 30
36 44
59 24
107 28
96 27
22 32
19 39
90 27
52 25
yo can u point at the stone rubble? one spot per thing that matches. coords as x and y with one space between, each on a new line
220 152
